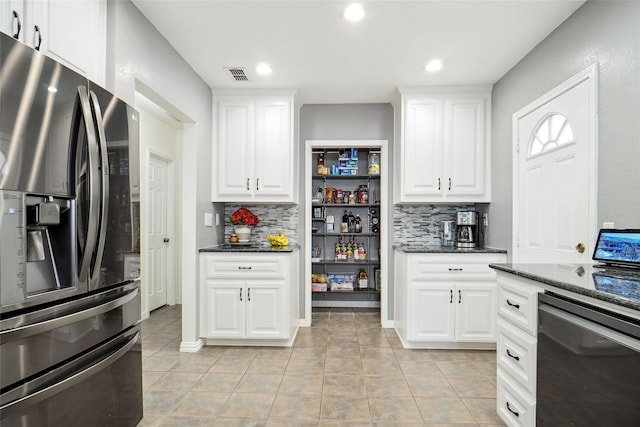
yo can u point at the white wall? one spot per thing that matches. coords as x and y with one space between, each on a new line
139 58
606 32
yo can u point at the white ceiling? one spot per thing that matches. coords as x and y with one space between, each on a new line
329 60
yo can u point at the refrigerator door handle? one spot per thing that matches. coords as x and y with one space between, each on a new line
104 193
60 386
94 195
58 322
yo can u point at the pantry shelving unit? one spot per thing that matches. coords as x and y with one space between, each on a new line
330 200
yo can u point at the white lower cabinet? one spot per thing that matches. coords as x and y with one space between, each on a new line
249 300
446 300
452 312
516 350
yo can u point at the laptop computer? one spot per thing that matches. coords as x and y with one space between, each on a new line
617 248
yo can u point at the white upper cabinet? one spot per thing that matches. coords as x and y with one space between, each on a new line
71 31
254 153
443 151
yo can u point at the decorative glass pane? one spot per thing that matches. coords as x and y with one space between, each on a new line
552 132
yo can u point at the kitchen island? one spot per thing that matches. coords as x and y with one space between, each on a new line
553 348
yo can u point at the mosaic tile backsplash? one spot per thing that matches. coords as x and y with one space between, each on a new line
420 224
273 219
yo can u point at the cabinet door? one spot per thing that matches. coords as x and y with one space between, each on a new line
267 310
421 158
73 32
235 150
225 309
432 312
9 23
273 151
464 147
476 308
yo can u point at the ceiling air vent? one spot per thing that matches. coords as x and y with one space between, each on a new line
238 74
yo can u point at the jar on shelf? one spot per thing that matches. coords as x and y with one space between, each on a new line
374 164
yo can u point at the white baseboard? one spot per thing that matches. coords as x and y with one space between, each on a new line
191 347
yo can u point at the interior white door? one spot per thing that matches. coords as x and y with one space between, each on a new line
158 238
554 181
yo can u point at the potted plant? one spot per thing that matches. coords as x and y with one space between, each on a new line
243 219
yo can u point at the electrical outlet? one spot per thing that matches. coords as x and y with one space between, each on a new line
485 219
608 225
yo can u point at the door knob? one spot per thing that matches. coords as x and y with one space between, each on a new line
580 247
166 240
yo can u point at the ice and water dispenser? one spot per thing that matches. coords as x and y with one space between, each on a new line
37 245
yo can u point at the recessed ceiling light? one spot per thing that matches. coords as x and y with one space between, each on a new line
434 65
52 89
354 12
263 69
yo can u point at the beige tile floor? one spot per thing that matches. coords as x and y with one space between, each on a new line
343 371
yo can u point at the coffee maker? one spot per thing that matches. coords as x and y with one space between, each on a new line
467 226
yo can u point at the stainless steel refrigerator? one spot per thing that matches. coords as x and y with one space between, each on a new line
70 350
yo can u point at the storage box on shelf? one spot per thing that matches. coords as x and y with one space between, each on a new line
446 300
345 221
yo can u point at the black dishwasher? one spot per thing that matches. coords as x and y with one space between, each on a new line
588 369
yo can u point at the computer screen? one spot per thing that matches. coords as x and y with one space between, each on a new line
618 247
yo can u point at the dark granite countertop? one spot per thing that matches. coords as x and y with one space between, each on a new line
256 248
614 285
439 249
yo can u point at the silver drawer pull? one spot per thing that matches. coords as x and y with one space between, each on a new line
240 294
512 411
244 268
512 356
509 303
455 269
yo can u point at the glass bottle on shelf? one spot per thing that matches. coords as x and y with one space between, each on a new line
344 226
358 224
321 164
351 221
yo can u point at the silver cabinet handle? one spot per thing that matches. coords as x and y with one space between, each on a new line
247 184
510 304
36 32
449 184
450 296
240 294
257 184
248 294
455 269
512 356
243 268
438 183
459 296
512 411
16 18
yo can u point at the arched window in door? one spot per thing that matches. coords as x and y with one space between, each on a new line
553 131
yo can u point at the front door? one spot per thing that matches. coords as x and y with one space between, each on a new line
554 178
158 236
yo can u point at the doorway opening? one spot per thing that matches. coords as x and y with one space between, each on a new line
161 139
346 257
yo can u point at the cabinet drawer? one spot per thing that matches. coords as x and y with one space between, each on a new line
514 405
518 304
516 352
462 269
245 267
